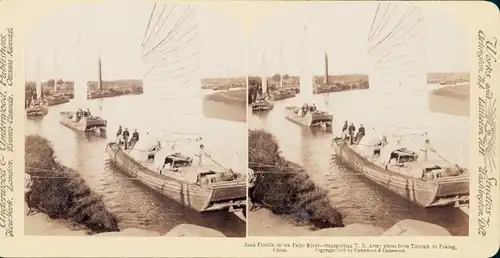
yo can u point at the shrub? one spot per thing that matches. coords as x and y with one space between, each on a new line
285 188
60 192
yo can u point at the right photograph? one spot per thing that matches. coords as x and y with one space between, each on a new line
358 121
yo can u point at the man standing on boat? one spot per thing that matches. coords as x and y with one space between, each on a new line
125 134
360 134
200 155
134 139
351 129
426 148
118 134
344 130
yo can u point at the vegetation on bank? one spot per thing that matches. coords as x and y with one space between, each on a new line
230 97
460 92
60 192
285 188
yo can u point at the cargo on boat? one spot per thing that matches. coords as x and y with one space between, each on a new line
400 170
172 173
57 99
311 118
282 94
82 121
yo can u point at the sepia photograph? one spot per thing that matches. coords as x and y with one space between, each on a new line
358 117
135 121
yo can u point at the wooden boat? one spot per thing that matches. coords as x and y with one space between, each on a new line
282 94
427 183
38 106
261 106
86 123
199 188
57 100
311 118
37 110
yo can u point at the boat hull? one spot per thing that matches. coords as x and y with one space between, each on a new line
84 124
310 119
229 196
37 111
53 102
439 192
262 107
277 96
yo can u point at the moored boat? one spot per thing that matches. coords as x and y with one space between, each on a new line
308 118
39 109
282 94
57 99
261 106
199 187
82 121
427 183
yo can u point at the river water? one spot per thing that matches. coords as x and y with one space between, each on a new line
359 200
134 205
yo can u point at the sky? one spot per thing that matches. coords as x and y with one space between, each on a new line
341 29
115 32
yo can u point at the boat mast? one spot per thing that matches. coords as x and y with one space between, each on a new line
264 78
55 71
326 81
281 66
38 85
99 73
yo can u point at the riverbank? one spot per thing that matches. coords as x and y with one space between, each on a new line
452 100
458 92
285 188
265 223
41 224
227 105
60 193
230 97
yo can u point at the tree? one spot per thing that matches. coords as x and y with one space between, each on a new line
60 82
254 80
277 77
50 83
286 76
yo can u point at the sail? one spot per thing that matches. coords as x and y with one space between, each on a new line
306 75
264 75
38 85
398 75
170 56
306 82
80 81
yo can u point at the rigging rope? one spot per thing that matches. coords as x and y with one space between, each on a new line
149 23
170 33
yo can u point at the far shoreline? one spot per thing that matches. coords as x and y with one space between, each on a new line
226 105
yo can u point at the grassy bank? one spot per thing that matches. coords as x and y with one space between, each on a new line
285 188
60 192
231 97
459 92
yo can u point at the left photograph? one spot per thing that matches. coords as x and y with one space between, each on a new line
126 106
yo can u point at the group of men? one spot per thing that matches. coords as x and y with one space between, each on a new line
306 108
122 136
348 131
81 113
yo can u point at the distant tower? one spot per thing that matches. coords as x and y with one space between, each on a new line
100 74
326 69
